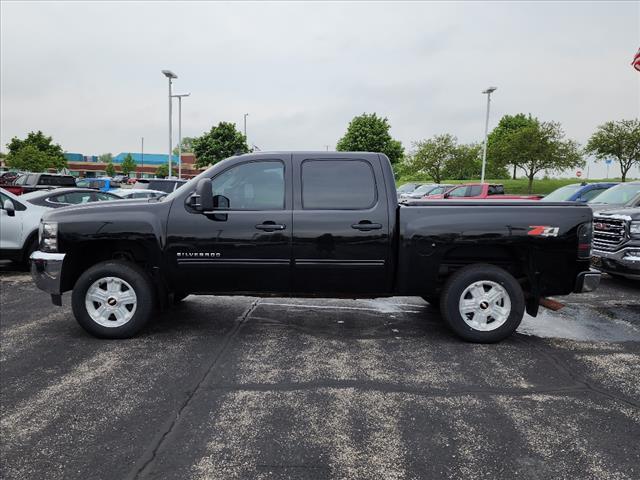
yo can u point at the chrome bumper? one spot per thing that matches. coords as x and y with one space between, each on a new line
587 281
46 271
624 262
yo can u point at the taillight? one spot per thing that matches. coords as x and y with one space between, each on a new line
585 235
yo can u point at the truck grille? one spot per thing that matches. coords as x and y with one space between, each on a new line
608 233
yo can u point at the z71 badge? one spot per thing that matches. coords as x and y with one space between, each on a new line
543 231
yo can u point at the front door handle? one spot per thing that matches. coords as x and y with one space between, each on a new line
270 226
366 225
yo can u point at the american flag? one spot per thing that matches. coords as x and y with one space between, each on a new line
636 61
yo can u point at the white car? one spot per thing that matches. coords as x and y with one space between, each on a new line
20 216
133 193
19 222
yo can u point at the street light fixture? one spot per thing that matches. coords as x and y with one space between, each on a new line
179 97
170 75
488 92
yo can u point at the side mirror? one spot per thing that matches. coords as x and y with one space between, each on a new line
202 199
220 202
9 207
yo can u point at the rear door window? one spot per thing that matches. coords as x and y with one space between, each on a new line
474 191
73 198
338 185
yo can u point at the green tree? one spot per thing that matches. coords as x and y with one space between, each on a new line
620 140
110 170
370 133
162 171
128 165
496 159
29 159
465 163
222 141
187 145
105 158
49 154
539 147
430 157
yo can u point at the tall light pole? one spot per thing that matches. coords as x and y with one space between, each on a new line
488 92
245 126
179 97
142 156
170 75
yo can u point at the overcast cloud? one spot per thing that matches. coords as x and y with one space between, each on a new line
89 73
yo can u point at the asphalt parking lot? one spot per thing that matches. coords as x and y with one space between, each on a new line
238 387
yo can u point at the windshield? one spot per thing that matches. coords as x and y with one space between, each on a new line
562 194
423 190
190 185
618 195
407 188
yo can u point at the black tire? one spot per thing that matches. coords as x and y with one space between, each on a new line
31 247
465 277
433 301
134 276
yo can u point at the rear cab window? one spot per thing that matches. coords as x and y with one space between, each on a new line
57 180
338 185
474 191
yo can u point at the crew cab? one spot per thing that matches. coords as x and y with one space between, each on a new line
616 242
312 224
482 191
30 182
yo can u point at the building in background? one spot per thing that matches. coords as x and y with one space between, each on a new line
89 166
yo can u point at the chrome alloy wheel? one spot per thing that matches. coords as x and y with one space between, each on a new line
485 305
111 302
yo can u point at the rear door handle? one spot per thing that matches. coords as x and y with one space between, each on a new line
270 226
366 225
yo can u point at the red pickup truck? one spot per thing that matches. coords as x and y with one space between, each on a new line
481 191
30 182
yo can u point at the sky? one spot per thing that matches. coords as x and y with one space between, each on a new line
88 73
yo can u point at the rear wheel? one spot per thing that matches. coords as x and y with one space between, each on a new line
113 299
482 303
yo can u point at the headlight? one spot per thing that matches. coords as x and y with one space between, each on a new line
634 229
48 236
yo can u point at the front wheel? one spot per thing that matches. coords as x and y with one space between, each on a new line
113 299
482 303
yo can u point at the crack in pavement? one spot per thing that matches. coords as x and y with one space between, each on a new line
149 455
562 367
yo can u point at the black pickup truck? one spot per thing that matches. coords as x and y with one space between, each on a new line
312 224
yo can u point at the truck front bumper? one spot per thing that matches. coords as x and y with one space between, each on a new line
625 262
587 281
46 271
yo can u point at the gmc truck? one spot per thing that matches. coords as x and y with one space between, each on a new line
312 224
616 242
